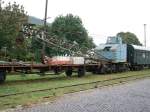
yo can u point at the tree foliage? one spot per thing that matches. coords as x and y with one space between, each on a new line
12 17
129 38
71 28
67 30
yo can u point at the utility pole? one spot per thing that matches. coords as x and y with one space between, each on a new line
145 35
45 29
45 18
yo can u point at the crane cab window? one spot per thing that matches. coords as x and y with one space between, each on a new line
107 48
114 40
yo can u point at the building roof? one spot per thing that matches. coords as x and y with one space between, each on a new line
36 21
141 48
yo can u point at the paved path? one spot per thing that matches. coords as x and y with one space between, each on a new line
131 97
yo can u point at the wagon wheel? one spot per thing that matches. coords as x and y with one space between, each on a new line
81 71
2 76
68 72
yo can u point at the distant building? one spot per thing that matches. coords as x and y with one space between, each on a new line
36 21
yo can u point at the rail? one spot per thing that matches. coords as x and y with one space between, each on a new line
95 82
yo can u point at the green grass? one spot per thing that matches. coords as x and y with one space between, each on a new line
20 83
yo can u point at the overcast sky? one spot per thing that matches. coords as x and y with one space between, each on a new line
101 18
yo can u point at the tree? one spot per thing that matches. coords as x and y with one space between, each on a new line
71 28
129 38
12 17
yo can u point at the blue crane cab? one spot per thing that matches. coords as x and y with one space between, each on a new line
114 50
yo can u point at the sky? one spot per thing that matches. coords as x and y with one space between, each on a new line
101 18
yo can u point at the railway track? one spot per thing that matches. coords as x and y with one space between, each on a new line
96 84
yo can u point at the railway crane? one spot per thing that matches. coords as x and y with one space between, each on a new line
111 57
